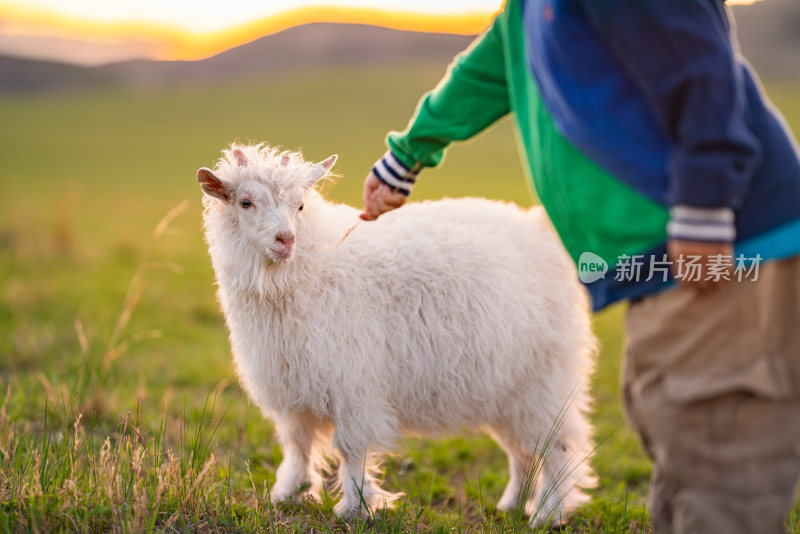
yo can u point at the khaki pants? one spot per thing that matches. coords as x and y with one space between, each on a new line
712 386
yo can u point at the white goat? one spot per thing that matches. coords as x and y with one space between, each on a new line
437 316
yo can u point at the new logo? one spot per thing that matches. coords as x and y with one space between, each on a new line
591 267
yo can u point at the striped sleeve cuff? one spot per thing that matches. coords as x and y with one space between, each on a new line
713 225
393 173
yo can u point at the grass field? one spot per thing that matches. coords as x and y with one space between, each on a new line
102 316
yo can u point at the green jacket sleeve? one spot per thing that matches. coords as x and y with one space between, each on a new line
471 96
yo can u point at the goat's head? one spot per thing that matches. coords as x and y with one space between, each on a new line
261 194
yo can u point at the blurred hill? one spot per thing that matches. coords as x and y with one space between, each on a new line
769 33
303 47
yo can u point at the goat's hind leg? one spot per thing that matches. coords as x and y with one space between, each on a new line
522 471
548 464
566 471
299 472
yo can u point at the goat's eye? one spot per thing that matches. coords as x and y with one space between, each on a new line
300 207
246 203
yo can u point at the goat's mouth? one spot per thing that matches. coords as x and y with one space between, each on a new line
280 254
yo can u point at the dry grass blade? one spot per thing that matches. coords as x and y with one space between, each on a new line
345 236
118 350
6 434
165 221
161 264
136 289
135 293
82 339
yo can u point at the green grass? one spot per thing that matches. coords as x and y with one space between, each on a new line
166 438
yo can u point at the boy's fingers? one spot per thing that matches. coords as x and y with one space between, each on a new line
371 183
380 199
390 199
372 207
380 203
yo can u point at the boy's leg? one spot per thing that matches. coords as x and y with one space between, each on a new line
712 386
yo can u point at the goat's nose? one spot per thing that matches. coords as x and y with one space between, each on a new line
285 238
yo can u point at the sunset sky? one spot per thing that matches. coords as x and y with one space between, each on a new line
99 31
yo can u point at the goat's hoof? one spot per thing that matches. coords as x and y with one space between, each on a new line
279 498
293 496
506 505
348 511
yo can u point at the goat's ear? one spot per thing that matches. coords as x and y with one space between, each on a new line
318 170
212 185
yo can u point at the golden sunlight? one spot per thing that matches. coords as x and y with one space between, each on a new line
182 29
99 31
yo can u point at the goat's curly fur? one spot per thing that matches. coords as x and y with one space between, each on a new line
437 316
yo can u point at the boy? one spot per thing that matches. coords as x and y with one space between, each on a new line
650 144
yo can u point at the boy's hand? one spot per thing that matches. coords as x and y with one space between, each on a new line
681 252
379 198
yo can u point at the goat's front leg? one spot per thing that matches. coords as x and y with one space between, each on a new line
298 473
361 495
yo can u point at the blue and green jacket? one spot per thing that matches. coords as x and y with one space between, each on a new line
638 122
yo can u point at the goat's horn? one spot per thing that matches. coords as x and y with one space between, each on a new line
241 159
